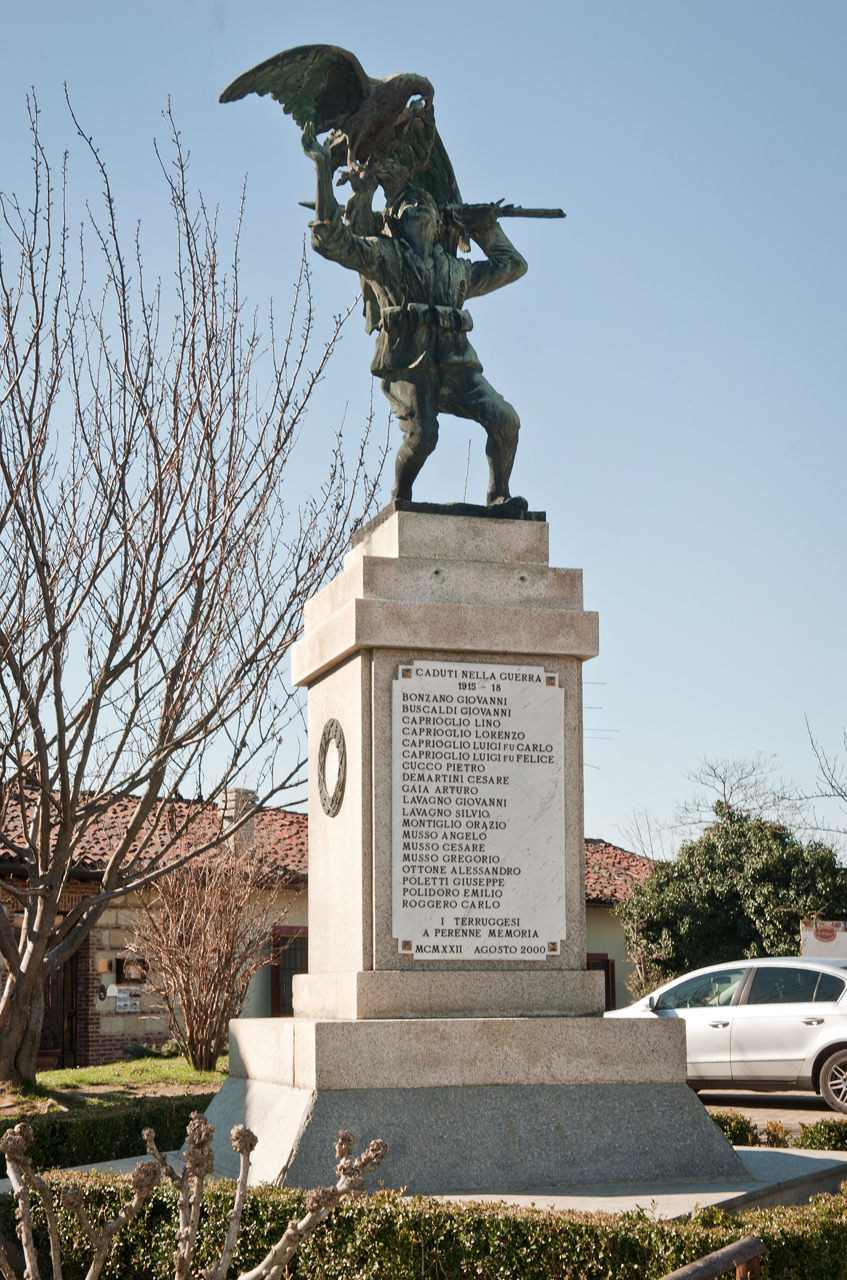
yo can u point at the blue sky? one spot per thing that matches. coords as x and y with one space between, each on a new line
676 351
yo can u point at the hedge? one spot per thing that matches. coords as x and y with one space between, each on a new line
827 1134
106 1132
823 1135
390 1237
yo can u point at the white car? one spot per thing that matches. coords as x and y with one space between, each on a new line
761 1024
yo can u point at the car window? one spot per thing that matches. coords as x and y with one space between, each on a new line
707 990
783 986
829 987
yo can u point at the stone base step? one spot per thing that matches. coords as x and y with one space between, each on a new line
393 993
417 1053
485 1138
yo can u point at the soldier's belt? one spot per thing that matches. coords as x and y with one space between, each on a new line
418 315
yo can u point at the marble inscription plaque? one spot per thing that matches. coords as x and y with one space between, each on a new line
478 810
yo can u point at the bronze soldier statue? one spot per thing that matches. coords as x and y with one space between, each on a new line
423 357
415 285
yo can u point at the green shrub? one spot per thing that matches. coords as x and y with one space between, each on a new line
388 1237
136 1049
776 1134
823 1135
737 1129
98 1133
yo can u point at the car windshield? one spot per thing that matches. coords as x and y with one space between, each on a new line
704 991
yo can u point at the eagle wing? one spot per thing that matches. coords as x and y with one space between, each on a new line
324 85
423 153
316 83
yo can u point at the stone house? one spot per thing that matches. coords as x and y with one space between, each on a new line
105 1027
96 1004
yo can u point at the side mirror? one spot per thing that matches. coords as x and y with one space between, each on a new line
651 1003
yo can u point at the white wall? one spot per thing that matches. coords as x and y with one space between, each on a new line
257 1002
603 933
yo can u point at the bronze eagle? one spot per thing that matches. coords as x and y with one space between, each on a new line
388 120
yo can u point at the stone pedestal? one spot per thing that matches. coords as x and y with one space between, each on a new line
480 1073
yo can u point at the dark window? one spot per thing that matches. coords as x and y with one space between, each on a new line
829 987
703 992
599 960
130 971
783 986
291 956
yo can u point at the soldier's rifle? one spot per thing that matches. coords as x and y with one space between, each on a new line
468 215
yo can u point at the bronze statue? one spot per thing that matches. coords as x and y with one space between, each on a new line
414 282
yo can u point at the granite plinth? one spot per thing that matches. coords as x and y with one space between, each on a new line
385 993
350 855
418 586
480 1138
447 581
452 509
425 1053
467 584
482 1074
403 534
461 628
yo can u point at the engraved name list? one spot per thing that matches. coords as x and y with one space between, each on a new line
478 811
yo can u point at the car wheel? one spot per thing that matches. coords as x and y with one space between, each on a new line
834 1080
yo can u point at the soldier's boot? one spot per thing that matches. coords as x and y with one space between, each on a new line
500 450
417 445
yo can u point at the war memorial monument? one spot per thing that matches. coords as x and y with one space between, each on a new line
447 1005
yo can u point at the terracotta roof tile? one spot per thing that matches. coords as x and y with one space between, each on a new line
611 872
282 837
280 834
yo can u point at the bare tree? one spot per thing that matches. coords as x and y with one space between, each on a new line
832 780
199 1161
752 786
152 569
204 930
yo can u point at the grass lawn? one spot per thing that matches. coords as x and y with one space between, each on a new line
137 1076
114 1082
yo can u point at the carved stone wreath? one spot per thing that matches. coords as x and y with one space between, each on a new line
332 733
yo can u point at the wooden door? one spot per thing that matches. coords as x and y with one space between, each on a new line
57 1047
